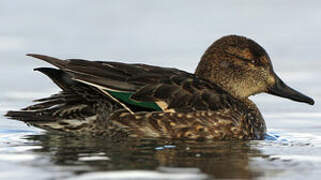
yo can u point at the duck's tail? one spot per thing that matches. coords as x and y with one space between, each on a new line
71 110
55 112
51 60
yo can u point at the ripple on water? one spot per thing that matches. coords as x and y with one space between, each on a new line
14 147
289 154
160 174
293 138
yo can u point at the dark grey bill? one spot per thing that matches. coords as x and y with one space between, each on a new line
282 90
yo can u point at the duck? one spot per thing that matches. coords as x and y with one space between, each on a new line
121 100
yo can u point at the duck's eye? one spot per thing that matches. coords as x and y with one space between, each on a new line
245 59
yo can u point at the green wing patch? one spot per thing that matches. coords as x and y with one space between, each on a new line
125 97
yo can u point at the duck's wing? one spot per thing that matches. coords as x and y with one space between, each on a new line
136 86
113 75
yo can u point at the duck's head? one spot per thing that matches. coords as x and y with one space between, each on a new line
242 67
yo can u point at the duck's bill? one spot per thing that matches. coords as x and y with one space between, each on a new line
282 90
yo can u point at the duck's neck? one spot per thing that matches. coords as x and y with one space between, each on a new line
235 86
236 89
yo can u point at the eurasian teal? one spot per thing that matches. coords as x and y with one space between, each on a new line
136 100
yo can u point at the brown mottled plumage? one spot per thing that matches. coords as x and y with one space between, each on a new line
137 100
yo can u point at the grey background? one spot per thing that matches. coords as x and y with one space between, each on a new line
171 33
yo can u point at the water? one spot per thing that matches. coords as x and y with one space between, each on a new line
167 33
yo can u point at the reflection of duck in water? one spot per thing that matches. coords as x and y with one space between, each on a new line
213 158
137 100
